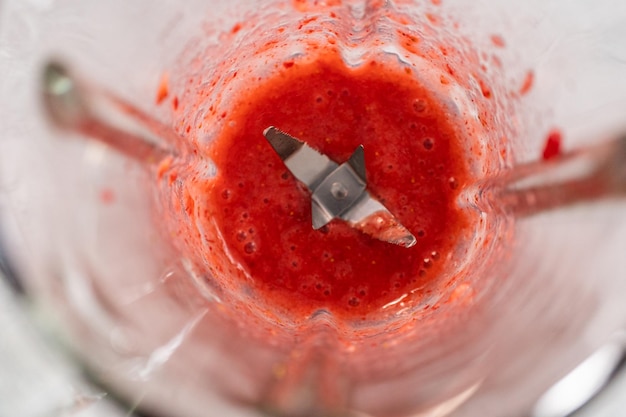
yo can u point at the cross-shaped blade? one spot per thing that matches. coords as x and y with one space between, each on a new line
338 191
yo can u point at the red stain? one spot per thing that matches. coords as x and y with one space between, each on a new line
498 40
301 5
307 21
408 41
450 70
190 204
552 148
175 103
236 28
107 196
484 88
433 19
528 83
313 5
163 89
496 61
163 167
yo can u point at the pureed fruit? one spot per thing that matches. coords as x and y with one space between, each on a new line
415 165
243 222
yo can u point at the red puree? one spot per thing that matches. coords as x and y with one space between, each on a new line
552 148
415 166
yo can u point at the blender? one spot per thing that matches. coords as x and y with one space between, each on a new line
98 99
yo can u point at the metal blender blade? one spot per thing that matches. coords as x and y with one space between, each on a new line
338 191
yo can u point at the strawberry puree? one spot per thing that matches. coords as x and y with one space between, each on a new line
430 124
552 147
415 164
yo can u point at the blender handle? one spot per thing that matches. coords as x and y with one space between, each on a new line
75 106
580 176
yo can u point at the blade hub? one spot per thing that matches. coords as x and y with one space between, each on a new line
337 191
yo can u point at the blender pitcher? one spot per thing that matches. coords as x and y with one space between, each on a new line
112 116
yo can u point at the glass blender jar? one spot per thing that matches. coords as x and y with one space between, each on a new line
86 226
